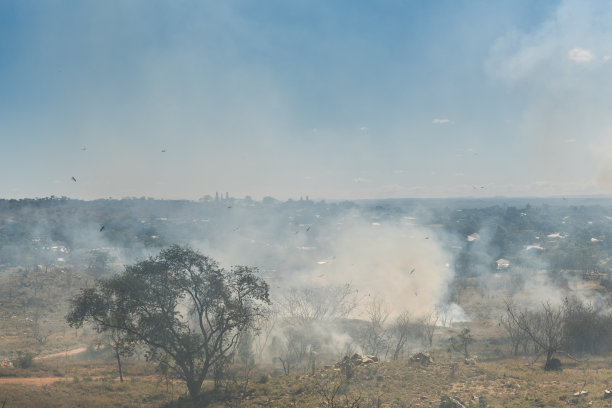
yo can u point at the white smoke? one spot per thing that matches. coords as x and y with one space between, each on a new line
400 262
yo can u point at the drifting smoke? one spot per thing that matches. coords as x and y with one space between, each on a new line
400 262
395 256
396 260
603 153
561 67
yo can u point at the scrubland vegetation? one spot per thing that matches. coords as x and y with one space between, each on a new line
535 332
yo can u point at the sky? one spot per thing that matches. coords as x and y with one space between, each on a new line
326 99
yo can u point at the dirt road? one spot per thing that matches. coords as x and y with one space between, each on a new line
31 380
72 352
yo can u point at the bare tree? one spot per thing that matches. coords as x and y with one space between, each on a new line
374 338
444 315
430 324
296 346
38 314
401 331
544 327
306 305
308 312
266 325
334 393
516 335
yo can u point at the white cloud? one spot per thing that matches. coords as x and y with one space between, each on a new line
361 180
437 121
542 57
557 68
580 55
607 57
364 128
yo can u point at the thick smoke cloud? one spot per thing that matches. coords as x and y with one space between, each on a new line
398 260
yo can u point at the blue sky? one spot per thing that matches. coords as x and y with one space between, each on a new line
330 99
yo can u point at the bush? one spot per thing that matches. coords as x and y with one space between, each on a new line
450 402
587 328
25 360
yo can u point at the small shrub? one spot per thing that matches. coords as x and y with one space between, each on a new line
263 379
450 402
25 360
299 390
76 379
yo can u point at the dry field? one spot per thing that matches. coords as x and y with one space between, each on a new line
494 383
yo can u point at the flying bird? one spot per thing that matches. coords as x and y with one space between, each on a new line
101 228
164 151
237 228
83 148
412 271
308 229
229 206
73 179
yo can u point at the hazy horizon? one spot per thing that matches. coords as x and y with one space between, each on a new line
343 100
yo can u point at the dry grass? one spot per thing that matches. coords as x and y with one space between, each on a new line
76 383
502 383
497 379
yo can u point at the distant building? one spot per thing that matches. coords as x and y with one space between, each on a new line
502 264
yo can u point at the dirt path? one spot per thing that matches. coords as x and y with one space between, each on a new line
31 380
50 380
72 352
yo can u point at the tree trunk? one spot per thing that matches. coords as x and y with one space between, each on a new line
549 355
194 388
118 356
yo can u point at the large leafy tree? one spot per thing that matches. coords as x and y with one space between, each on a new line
180 304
